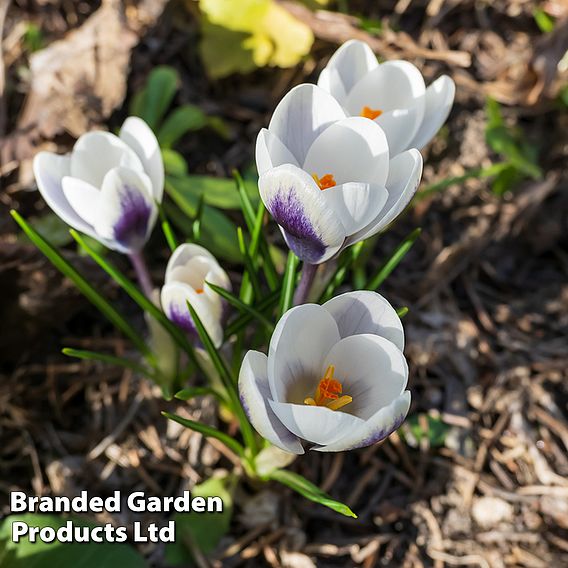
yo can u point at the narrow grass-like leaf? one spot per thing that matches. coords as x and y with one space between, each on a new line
191 392
241 306
227 378
401 312
251 271
389 265
343 266
288 283
83 285
250 220
167 229
312 492
208 432
109 359
238 323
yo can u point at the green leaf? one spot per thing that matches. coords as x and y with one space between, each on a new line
219 234
180 121
241 306
288 283
227 378
218 192
401 312
157 95
192 392
345 262
251 270
204 530
208 431
267 303
545 22
109 359
84 286
310 491
52 228
26 554
391 263
425 426
174 163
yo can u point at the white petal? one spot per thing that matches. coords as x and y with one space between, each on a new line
356 204
139 136
364 311
183 254
352 61
352 149
383 423
330 81
270 152
439 100
83 197
301 116
95 153
175 297
299 344
49 170
127 211
254 393
372 370
397 89
405 171
311 229
315 424
399 126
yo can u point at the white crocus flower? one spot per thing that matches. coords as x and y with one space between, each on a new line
334 378
108 186
189 269
392 94
326 178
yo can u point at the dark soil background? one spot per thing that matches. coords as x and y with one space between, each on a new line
486 284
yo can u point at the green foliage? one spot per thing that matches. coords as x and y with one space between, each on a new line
33 38
519 157
52 228
544 22
425 426
309 491
259 33
204 531
26 554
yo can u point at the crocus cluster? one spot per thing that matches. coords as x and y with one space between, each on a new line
338 163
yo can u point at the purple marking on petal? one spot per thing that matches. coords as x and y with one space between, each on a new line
381 434
183 320
302 238
245 406
132 226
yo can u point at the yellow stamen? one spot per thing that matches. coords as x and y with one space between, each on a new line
325 182
328 392
368 112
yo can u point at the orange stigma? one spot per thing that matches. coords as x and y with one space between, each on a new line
371 113
324 182
328 392
199 290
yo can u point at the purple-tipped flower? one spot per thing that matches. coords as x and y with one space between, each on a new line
326 177
334 378
108 186
393 94
189 269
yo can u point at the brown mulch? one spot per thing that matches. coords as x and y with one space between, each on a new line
487 332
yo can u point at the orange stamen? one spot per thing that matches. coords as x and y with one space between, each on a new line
199 290
325 182
328 391
371 113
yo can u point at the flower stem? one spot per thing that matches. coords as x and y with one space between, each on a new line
305 285
144 278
